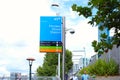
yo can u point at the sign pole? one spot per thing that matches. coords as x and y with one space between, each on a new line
63 55
51 26
59 66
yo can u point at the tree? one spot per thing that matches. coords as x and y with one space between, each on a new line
105 14
50 64
68 61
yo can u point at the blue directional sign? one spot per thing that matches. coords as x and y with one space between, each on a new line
50 28
50 33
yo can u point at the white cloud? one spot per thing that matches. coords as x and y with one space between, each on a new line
3 71
83 36
19 33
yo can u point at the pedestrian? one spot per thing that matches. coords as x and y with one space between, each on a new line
66 76
74 77
85 76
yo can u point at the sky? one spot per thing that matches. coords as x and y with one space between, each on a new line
20 32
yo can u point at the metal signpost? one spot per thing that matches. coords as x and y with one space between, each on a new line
51 36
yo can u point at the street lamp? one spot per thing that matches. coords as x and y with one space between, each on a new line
64 30
58 67
64 46
57 6
30 66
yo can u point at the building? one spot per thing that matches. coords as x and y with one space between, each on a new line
107 32
18 76
81 63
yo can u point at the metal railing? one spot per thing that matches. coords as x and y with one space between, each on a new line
33 78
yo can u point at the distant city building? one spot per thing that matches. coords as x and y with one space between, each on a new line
15 76
93 58
81 64
107 32
18 76
75 68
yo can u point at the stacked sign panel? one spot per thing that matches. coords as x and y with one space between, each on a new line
50 34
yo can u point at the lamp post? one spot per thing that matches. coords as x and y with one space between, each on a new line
58 67
30 66
64 30
63 42
63 55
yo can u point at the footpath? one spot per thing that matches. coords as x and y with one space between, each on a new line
107 78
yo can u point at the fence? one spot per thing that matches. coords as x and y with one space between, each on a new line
33 78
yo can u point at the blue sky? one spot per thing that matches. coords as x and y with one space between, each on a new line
19 32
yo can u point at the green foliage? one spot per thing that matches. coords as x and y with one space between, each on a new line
85 11
68 61
112 68
106 15
102 68
103 46
49 65
51 62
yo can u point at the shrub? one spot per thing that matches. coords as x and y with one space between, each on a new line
102 68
